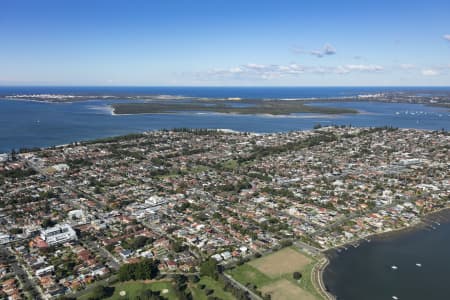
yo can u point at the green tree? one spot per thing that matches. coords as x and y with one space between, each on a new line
297 275
208 267
100 292
178 246
145 269
48 223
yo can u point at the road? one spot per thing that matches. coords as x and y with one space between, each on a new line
94 247
98 203
308 248
23 275
113 262
358 214
253 296
316 279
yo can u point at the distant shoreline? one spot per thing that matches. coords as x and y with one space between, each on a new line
246 107
288 105
397 231
291 115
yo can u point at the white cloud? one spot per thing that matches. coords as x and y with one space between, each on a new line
271 71
407 66
236 70
365 68
447 37
430 72
255 66
345 69
327 49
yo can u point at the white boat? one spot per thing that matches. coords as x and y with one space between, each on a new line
419 265
394 267
395 297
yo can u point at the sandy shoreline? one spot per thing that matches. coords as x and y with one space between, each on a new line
305 115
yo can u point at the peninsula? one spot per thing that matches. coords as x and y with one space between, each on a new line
268 107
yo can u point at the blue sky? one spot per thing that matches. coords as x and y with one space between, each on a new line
225 42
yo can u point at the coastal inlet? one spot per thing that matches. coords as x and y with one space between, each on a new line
411 264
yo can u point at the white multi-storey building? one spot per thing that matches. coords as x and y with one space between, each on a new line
58 234
4 238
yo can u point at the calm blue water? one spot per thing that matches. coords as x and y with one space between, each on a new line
365 273
243 92
30 124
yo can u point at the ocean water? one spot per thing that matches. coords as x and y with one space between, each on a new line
243 92
39 124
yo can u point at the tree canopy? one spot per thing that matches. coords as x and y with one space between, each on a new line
145 269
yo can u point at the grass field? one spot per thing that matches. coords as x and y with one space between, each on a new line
134 288
199 294
286 290
272 274
230 164
281 262
249 274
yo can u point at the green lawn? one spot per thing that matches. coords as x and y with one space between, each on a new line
230 164
169 176
133 288
210 283
246 273
305 282
198 169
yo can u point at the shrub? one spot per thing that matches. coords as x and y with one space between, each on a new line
297 275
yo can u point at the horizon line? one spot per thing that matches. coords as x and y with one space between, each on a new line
229 86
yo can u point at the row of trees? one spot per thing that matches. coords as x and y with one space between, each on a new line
137 242
212 269
114 139
145 269
197 131
18 173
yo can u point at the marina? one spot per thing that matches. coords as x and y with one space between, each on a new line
417 258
